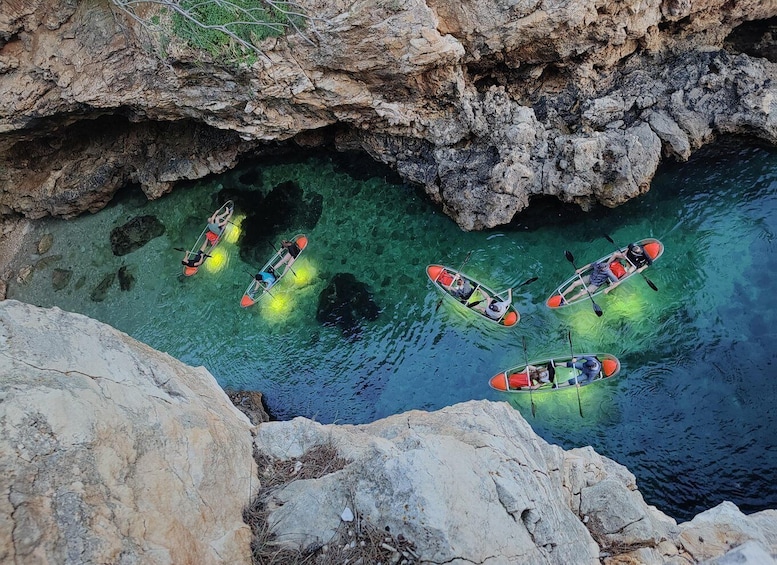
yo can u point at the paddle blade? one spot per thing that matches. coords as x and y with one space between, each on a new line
650 284
529 281
569 256
608 238
598 310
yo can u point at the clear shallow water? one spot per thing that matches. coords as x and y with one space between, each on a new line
690 414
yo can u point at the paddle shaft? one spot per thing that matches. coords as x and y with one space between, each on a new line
647 280
571 259
458 272
189 252
577 384
528 377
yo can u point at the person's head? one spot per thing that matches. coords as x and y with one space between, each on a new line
493 305
634 248
590 364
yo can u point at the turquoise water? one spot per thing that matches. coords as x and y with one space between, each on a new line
690 414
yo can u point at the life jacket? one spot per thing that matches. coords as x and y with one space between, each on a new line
518 380
617 269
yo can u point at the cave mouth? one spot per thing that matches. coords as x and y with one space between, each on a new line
757 38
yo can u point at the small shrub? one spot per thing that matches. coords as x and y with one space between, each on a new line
230 28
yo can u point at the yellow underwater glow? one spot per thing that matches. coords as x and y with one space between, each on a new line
303 274
280 302
217 260
232 233
277 306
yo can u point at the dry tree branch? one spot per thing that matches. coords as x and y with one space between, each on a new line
242 18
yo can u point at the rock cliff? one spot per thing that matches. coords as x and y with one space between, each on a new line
112 452
483 103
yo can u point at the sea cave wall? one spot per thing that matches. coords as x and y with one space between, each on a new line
483 104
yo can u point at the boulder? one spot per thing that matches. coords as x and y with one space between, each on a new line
112 452
135 234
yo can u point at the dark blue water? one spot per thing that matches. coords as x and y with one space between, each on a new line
690 414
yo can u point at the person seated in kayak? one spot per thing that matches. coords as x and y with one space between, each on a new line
542 374
461 288
264 278
492 307
600 274
637 257
193 260
216 224
589 367
292 251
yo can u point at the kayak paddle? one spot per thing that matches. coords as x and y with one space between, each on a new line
571 259
528 377
458 271
577 384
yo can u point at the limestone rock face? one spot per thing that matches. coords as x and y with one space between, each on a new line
111 452
484 103
472 483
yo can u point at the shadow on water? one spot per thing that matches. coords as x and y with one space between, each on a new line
689 415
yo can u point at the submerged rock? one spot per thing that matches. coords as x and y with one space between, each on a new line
24 275
344 303
126 279
44 262
45 243
60 278
135 234
101 290
286 208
